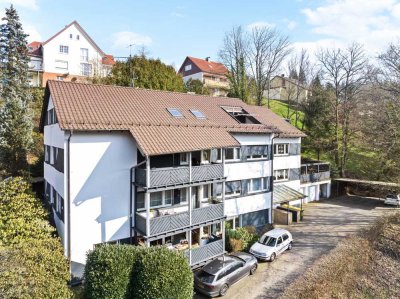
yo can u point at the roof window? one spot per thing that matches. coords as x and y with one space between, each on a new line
198 114
241 115
175 112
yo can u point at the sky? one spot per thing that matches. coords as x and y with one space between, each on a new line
172 29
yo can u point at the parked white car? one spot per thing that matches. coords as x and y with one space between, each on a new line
392 199
272 244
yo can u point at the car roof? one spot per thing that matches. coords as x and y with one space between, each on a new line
216 265
276 232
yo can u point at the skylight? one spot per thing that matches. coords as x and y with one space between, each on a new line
175 112
241 115
198 114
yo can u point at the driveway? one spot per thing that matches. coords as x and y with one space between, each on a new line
325 224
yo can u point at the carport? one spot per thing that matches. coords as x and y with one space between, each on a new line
283 194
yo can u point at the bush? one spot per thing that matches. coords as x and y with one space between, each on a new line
161 273
108 269
244 234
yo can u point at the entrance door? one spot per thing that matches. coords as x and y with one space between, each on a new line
312 193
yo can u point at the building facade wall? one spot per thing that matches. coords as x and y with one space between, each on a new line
100 189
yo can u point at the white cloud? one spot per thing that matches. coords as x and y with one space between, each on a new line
177 14
291 25
372 23
30 4
123 39
33 34
260 24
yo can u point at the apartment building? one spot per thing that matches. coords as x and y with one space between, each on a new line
121 170
212 74
69 55
287 89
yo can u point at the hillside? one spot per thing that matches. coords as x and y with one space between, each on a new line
281 108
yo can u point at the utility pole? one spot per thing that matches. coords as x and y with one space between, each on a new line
131 70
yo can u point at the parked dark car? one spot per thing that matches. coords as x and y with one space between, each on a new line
215 278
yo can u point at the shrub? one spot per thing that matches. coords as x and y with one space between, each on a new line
108 269
161 273
235 245
242 233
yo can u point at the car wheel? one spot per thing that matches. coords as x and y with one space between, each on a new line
223 290
290 246
253 269
272 258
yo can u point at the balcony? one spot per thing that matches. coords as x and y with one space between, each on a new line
205 252
314 172
171 176
211 83
35 66
179 221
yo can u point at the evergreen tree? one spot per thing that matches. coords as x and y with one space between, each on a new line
15 121
196 86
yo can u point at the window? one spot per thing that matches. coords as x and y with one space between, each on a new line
175 112
221 275
64 49
188 67
59 159
206 192
47 154
217 190
77 37
156 199
232 153
84 55
180 196
255 185
205 156
285 237
168 195
257 152
61 64
59 78
70 36
184 159
219 154
281 149
140 201
241 115
198 114
232 188
86 69
281 174
279 241
59 206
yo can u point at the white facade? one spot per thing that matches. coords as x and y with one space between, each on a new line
68 60
197 76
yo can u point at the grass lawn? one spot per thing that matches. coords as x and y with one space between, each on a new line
280 108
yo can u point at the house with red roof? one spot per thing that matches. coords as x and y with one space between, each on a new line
69 55
212 74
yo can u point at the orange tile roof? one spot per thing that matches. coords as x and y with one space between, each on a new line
34 48
209 66
144 113
108 60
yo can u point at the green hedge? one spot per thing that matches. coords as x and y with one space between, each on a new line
247 236
108 269
161 273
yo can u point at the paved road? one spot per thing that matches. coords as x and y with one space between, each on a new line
325 224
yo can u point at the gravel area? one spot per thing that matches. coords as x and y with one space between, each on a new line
325 224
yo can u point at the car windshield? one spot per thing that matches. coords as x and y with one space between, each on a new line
267 240
393 196
205 277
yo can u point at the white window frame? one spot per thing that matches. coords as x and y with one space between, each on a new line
205 199
285 149
84 58
60 67
89 66
236 193
263 185
236 154
188 67
186 159
257 158
163 204
202 157
63 49
285 172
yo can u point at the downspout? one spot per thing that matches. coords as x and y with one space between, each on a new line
272 176
130 205
69 198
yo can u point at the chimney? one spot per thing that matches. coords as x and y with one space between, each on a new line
208 58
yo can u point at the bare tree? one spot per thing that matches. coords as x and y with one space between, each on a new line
233 55
267 50
347 71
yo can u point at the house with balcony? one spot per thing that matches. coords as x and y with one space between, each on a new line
212 74
69 55
146 167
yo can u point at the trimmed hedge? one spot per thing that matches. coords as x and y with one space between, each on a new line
161 273
108 269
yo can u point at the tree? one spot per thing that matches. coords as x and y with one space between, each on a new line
143 72
267 50
15 120
233 55
32 263
348 72
196 86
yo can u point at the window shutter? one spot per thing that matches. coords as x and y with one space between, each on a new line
214 155
244 150
245 188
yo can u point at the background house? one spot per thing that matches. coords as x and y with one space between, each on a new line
211 74
286 89
69 55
